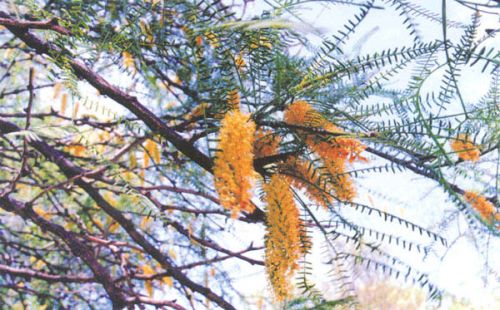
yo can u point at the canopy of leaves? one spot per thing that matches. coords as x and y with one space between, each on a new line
116 115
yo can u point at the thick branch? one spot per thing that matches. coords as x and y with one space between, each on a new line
73 171
51 24
105 88
129 102
77 247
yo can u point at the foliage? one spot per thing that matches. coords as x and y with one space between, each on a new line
139 139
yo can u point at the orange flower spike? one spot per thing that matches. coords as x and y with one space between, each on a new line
334 150
302 114
341 182
233 166
283 238
64 103
266 144
482 206
198 111
302 176
465 149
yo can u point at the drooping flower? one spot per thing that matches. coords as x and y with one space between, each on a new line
341 181
334 149
302 175
57 90
283 238
464 148
336 145
482 206
76 107
266 143
233 165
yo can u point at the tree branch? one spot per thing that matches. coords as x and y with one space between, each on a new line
71 170
47 277
77 247
52 24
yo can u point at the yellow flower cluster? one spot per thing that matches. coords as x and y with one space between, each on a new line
266 144
286 238
148 270
233 166
465 149
335 151
482 206
283 238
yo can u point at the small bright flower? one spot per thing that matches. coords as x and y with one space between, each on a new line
64 103
233 166
199 40
76 107
57 90
301 113
75 149
283 238
465 149
148 284
239 61
482 206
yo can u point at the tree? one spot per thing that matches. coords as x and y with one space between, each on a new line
139 138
